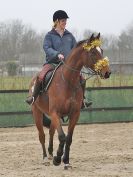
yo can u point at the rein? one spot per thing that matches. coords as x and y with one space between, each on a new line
83 72
91 72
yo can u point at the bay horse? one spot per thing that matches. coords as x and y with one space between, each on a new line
64 96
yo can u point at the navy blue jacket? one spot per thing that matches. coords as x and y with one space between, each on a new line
54 44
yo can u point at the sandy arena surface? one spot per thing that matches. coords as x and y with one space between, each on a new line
98 150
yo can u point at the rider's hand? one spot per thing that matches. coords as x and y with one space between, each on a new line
61 57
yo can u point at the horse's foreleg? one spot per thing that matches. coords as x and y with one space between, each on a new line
72 122
67 148
62 138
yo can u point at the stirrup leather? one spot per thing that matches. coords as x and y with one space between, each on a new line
33 99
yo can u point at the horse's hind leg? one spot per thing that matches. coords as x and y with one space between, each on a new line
47 123
38 116
51 135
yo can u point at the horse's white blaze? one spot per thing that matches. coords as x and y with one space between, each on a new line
99 50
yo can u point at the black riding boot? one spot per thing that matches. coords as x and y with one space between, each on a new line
85 103
31 99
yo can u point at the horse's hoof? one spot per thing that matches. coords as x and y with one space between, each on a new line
46 161
56 161
67 167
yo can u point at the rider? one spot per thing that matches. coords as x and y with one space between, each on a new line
57 45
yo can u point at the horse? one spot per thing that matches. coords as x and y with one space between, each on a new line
64 96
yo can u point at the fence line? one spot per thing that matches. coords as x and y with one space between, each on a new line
129 108
84 110
88 88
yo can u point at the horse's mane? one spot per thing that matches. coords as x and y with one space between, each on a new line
92 38
81 42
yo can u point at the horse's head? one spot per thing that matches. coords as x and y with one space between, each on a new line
93 57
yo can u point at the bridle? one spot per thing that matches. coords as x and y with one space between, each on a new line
97 66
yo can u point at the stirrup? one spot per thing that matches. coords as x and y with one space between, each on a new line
86 104
30 103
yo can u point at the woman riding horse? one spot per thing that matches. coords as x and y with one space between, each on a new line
64 96
57 45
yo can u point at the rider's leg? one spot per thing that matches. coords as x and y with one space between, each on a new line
46 67
85 103
31 99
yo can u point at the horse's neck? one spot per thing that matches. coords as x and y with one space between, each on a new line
72 67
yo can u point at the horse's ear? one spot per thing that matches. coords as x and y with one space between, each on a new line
92 37
98 36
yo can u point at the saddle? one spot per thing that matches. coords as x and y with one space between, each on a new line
46 75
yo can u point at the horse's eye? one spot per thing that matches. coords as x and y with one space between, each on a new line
93 52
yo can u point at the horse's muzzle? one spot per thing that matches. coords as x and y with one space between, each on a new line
107 75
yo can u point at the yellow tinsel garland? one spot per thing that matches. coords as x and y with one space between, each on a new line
95 43
101 64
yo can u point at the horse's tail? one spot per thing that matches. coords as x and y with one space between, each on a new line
46 121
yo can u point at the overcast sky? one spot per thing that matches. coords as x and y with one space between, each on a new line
105 16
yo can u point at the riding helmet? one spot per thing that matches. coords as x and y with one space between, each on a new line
60 14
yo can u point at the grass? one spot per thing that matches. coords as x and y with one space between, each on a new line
114 80
14 83
20 83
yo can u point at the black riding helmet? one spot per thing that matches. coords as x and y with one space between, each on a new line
59 14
